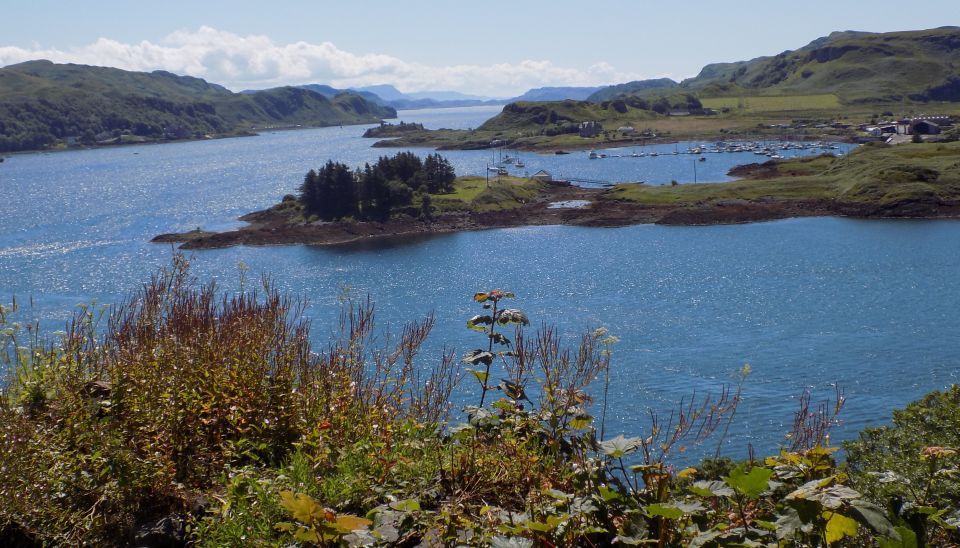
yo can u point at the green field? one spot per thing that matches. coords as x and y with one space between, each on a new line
878 174
776 103
482 194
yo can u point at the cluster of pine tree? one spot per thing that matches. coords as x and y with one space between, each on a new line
373 192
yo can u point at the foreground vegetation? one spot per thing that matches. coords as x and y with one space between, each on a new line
186 416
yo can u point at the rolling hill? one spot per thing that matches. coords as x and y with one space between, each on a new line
43 104
557 93
857 66
637 87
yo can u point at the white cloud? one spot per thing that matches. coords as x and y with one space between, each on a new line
241 62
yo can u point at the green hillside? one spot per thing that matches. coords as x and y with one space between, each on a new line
911 178
565 116
43 104
859 67
638 87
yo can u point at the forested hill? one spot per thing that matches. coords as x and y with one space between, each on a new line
43 104
857 66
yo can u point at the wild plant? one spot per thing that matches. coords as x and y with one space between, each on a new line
187 382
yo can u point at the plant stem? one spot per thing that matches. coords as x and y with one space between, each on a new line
486 374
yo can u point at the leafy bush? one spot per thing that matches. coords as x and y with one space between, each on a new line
214 410
913 466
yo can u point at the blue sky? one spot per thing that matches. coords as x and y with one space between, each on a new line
494 48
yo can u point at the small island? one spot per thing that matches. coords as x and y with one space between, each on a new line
404 196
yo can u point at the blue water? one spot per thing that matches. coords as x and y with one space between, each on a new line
871 305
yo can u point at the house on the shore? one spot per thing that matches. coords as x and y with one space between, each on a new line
924 127
590 129
542 176
903 126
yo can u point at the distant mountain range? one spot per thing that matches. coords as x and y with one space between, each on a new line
558 93
42 104
388 95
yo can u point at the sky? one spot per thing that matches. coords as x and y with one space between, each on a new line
493 48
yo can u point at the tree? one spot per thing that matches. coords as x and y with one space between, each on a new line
330 193
426 207
374 194
439 174
334 191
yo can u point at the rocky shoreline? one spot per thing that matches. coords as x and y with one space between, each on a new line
274 227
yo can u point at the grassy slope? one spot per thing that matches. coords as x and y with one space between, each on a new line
852 76
855 66
878 175
43 102
480 194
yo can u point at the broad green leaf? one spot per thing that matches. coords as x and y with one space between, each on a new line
583 505
688 507
477 322
538 526
608 494
479 416
664 510
481 376
513 390
307 535
907 539
711 489
302 507
348 524
839 527
788 523
512 315
556 520
752 484
480 297
705 538
620 446
500 339
873 517
581 422
478 356
766 525
824 491
408 505
687 472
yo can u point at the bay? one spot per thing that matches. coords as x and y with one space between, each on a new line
808 303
